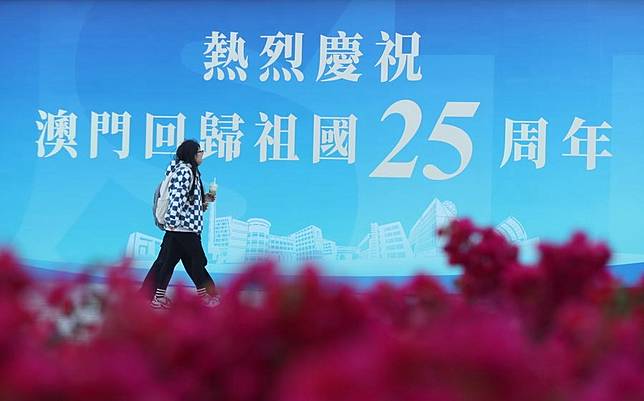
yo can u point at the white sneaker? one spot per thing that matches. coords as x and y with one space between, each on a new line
160 302
211 301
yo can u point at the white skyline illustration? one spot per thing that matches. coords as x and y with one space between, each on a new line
232 241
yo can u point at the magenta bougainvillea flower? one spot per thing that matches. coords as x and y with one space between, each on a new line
561 329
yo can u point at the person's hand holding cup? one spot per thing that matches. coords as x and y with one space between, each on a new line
211 195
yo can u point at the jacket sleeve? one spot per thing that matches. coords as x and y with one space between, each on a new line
178 197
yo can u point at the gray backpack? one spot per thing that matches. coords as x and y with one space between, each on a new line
162 199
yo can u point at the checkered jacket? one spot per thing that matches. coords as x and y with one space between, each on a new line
183 215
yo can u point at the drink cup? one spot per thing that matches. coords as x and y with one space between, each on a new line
212 191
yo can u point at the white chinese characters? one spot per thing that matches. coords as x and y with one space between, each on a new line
288 47
339 56
57 132
333 137
110 123
282 56
221 136
525 140
163 134
278 136
225 57
405 49
590 141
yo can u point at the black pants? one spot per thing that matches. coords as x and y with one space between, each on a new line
174 247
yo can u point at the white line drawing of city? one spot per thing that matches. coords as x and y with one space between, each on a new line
233 242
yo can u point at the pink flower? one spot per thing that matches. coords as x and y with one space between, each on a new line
561 329
484 254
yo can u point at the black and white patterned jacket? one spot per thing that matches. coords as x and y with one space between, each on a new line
183 215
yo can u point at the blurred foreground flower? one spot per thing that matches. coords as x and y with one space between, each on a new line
561 329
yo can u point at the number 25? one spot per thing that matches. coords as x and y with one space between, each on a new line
442 132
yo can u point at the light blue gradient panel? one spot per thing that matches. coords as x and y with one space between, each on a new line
626 183
520 61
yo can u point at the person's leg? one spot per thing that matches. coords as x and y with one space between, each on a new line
147 287
166 268
185 261
195 263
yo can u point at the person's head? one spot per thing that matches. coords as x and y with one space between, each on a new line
190 152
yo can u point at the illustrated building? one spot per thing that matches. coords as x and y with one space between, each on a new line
512 230
309 243
257 240
387 241
229 242
143 247
282 248
233 241
345 253
423 235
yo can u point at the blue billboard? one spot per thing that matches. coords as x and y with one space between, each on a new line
342 132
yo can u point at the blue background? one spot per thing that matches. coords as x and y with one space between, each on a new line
520 60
